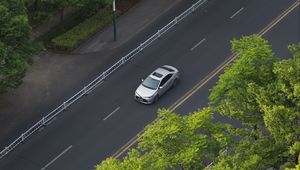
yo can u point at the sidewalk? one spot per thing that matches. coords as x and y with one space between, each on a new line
55 77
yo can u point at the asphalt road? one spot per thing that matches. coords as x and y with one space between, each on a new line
97 126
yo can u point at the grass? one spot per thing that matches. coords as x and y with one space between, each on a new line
60 29
81 32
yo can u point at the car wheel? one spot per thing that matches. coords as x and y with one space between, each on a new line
155 99
175 82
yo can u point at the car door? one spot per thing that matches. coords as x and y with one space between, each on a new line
165 84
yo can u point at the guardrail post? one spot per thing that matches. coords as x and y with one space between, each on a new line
123 61
141 47
43 121
159 33
193 8
85 90
65 106
23 137
176 20
5 150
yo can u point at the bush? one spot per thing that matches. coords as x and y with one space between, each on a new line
72 38
39 18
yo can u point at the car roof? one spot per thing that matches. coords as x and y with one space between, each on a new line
160 72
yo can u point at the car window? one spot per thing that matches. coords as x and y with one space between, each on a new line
150 83
166 79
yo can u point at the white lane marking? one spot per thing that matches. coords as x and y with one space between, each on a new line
236 13
57 157
195 46
112 113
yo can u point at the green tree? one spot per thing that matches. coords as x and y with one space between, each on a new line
271 97
109 164
16 7
185 141
231 94
251 154
12 68
14 22
175 141
261 91
63 4
14 43
280 101
14 30
33 3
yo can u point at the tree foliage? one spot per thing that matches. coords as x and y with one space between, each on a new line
254 65
38 7
279 102
251 154
14 29
12 68
15 45
174 141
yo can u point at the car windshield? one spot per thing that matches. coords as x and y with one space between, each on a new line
151 83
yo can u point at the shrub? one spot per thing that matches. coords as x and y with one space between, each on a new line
72 38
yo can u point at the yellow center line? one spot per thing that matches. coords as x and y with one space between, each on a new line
211 75
279 18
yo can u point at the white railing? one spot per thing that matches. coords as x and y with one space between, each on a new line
92 85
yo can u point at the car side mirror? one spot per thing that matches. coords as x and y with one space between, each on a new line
160 87
142 80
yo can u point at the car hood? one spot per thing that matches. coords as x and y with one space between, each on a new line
143 91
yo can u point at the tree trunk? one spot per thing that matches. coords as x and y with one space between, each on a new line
255 128
35 5
62 14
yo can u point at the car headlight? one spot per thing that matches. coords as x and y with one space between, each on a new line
147 98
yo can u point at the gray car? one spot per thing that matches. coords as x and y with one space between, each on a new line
156 84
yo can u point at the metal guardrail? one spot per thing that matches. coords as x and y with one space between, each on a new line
92 85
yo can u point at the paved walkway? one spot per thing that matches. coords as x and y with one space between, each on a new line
55 77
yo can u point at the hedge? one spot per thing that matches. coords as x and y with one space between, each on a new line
72 38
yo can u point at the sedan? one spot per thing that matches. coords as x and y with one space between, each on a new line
156 84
